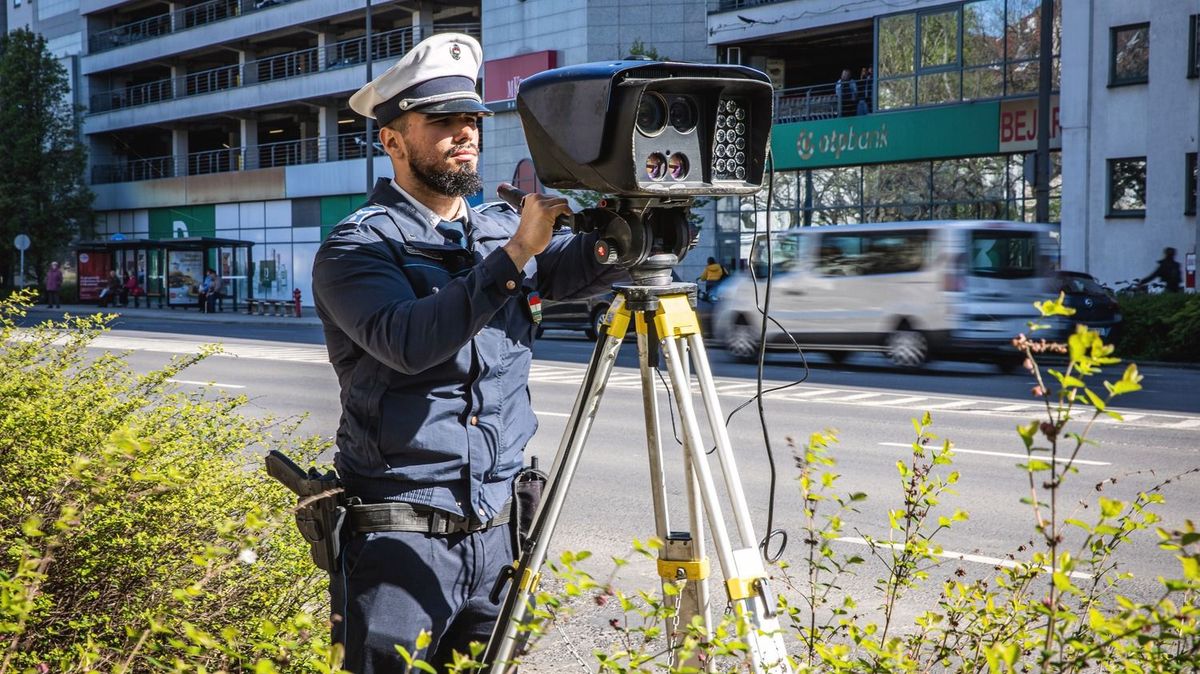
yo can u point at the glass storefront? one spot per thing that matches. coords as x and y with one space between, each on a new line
990 187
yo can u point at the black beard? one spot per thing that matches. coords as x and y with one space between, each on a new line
452 183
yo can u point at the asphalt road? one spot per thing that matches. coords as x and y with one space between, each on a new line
869 404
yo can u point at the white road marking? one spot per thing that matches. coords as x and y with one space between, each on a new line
551 414
214 384
571 374
1006 455
963 556
852 398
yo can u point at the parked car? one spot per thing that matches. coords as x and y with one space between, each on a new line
912 290
585 315
1095 306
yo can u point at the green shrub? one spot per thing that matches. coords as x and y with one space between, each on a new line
1160 327
138 529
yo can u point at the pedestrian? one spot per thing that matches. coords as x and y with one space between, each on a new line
210 290
1167 271
864 92
429 310
111 292
846 92
54 279
712 276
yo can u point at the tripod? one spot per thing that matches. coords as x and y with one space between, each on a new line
662 316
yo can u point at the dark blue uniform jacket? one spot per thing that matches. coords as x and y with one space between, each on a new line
432 349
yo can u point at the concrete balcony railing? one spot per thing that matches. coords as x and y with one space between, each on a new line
387 45
265 155
172 22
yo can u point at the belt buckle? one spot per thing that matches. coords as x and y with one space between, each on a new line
443 523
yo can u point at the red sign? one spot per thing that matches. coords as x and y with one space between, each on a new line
93 269
501 77
1019 125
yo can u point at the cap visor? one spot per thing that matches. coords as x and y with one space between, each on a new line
456 106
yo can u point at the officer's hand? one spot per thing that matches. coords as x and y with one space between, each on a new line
538 212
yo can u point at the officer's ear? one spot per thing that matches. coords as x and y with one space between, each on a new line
391 137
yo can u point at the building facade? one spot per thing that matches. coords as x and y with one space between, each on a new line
937 118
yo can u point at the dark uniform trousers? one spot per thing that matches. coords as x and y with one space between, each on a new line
394 584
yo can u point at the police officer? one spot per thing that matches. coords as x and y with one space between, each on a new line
429 311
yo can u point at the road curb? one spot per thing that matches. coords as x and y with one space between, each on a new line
220 318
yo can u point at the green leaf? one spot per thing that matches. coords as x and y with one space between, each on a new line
1055 307
1094 399
1110 507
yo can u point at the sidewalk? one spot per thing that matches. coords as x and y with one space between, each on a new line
190 315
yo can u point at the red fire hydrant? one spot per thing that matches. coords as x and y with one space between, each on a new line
296 300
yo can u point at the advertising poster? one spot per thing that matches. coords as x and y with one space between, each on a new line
185 270
93 274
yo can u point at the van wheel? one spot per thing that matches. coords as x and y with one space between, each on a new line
597 325
907 347
742 343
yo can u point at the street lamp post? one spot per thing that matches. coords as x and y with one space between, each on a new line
1045 82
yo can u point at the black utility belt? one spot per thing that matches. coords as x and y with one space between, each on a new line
376 517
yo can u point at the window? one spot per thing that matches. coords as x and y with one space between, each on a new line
1194 47
1005 255
874 253
1129 55
1189 192
1127 187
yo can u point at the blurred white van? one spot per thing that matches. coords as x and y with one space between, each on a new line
913 290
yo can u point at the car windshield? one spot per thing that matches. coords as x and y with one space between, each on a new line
1081 284
1004 254
783 253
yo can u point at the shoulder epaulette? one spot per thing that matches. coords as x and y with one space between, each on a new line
363 213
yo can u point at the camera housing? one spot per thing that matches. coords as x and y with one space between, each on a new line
648 128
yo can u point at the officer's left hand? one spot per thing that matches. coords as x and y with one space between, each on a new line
538 212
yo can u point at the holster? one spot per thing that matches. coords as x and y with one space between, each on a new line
320 508
527 494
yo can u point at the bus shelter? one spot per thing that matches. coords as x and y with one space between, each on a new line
169 271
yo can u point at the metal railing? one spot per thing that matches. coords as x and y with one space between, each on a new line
264 155
172 22
390 44
821 101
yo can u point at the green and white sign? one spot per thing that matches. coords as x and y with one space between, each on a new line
932 133
183 222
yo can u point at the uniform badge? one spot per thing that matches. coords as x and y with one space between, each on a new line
455 52
535 306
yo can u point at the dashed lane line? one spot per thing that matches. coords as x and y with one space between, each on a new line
213 384
1007 455
961 556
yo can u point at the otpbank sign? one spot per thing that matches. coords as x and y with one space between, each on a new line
971 129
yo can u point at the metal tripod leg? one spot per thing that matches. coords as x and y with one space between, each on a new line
681 560
506 635
745 574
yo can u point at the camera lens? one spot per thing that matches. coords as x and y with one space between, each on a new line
720 165
740 114
741 129
740 173
741 158
678 166
682 115
720 135
656 166
740 143
651 114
